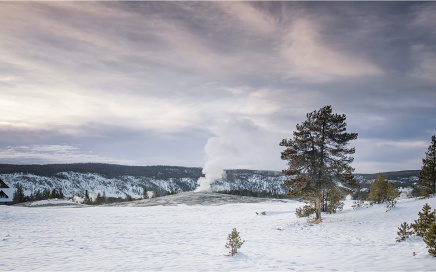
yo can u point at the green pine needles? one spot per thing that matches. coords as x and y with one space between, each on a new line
424 226
423 223
404 232
234 242
430 239
427 175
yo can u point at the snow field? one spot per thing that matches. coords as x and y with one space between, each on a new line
182 238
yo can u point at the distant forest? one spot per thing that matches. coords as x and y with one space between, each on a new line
158 171
106 170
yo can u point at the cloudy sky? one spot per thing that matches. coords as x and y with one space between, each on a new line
189 83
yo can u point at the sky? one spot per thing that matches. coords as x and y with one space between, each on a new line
203 83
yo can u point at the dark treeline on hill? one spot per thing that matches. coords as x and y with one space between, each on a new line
106 170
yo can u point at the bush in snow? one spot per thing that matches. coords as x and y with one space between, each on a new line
423 223
404 232
430 239
305 211
234 242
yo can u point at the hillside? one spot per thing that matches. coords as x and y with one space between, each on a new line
120 180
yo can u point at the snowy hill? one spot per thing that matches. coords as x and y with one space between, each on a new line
182 237
119 180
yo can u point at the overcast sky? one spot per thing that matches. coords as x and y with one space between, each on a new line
185 83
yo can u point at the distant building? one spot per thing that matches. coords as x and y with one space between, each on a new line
6 193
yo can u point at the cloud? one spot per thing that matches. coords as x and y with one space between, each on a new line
311 59
254 19
424 60
53 154
381 155
153 81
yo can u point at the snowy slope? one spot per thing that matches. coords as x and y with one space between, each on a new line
75 183
192 238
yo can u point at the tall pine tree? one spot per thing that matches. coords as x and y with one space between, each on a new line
427 175
319 157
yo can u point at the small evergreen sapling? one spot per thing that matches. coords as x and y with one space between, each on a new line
404 232
234 242
426 218
430 239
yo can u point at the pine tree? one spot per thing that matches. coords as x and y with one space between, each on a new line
18 196
427 175
404 232
430 239
391 195
377 191
382 190
234 242
319 157
423 223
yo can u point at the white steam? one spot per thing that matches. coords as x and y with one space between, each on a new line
238 144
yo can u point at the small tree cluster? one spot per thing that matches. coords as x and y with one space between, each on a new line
20 197
331 201
383 191
234 242
424 226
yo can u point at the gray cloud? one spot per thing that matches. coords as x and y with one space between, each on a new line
150 82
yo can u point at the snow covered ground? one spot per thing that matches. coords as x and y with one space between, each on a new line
191 237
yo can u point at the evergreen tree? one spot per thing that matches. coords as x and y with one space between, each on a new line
382 190
18 196
430 239
234 242
391 195
377 191
423 223
319 157
404 232
427 175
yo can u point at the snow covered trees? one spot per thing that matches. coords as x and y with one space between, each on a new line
427 175
382 190
234 242
319 157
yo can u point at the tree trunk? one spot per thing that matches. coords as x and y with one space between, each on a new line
317 208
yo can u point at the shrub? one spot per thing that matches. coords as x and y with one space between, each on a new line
305 211
234 242
404 232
